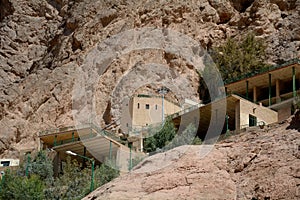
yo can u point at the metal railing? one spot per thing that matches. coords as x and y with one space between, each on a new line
104 132
263 70
184 111
92 126
63 129
75 139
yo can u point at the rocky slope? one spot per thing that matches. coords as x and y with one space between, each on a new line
44 42
260 164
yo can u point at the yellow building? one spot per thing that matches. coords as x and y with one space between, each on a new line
147 110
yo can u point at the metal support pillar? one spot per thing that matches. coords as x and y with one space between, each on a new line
72 136
270 89
92 177
163 107
110 150
247 90
83 159
55 140
294 82
27 166
130 158
227 126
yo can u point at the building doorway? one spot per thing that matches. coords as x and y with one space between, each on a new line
252 120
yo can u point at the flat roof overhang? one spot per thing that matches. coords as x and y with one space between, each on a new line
207 117
99 147
67 135
206 114
262 80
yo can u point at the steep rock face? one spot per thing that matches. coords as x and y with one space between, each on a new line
43 43
262 164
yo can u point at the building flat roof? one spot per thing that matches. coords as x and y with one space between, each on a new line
98 147
225 106
262 79
263 71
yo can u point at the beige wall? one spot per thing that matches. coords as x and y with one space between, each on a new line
284 113
263 114
143 117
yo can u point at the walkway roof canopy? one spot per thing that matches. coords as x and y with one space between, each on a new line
283 73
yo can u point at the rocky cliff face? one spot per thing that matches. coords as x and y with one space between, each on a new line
260 164
43 43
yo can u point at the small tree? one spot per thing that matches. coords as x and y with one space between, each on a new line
161 138
42 166
74 183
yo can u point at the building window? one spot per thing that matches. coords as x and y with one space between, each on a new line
155 107
147 106
5 163
138 105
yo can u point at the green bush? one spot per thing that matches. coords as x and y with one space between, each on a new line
197 141
160 138
106 172
73 183
21 187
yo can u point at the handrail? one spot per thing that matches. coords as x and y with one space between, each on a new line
100 131
263 70
75 139
63 129
184 111
104 132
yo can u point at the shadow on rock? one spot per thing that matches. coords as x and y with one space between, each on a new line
295 123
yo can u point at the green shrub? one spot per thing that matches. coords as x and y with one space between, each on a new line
106 172
21 187
197 141
160 138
